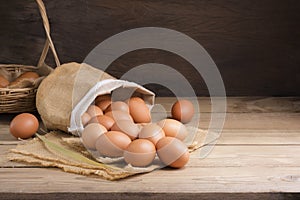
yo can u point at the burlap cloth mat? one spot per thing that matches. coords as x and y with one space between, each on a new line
57 149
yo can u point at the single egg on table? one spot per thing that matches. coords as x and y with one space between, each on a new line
24 125
183 111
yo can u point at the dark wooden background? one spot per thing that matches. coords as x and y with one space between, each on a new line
255 43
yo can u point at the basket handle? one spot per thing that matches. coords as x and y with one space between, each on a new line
48 42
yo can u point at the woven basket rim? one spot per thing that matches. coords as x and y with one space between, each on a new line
16 89
18 66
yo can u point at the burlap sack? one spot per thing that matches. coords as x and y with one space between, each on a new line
64 151
73 87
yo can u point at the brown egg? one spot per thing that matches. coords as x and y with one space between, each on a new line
104 120
118 105
104 104
29 75
172 152
128 127
152 132
119 115
173 128
183 110
112 143
102 98
94 111
139 99
85 118
24 125
90 134
140 153
3 82
26 75
139 110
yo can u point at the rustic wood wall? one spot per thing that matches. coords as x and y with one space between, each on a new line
255 43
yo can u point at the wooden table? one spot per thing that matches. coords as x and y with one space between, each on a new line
257 156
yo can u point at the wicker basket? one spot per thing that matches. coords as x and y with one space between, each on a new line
19 100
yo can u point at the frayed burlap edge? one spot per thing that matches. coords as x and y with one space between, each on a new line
36 152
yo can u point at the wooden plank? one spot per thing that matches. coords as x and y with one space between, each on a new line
255 121
4 127
257 152
221 156
243 104
193 180
242 42
248 156
149 195
284 122
5 134
263 104
247 137
259 137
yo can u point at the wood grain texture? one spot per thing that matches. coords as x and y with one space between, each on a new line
255 44
256 157
152 196
264 112
242 155
195 180
259 104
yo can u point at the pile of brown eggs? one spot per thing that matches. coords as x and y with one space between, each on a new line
124 129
